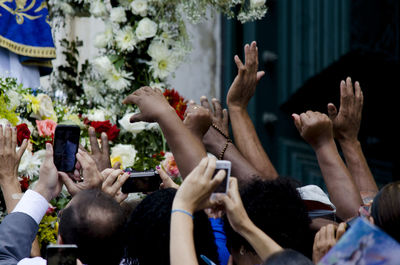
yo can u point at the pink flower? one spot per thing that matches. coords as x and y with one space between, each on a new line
170 166
46 127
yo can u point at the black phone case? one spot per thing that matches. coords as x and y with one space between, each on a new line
63 161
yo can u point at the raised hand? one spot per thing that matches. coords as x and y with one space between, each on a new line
101 155
314 127
197 119
325 239
113 181
49 184
92 178
9 157
151 103
194 193
346 122
219 116
167 182
244 85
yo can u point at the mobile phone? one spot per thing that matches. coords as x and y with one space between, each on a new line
66 143
223 165
142 181
61 254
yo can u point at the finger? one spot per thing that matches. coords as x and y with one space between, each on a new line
201 167
349 87
137 117
7 140
105 148
225 118
330 231
260 75
340 230
68 182
14 141
1 139
106 172
120 197
204 102
131 99
49 152
297 121
332 111
117 165
109 181
233 191
217 108
359 100
239 64
119 182
247 57
22 149
94 145
210 169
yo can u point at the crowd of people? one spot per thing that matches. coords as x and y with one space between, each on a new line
263 218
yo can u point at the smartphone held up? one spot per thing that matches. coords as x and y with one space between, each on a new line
66 144
226 166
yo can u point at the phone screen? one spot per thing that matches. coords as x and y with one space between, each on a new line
61 254
66 143
141 182
221 187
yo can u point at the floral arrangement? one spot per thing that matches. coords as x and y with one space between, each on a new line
143 43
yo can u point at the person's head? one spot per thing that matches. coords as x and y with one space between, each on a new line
385 209
277 209
94 221
288 257
148 231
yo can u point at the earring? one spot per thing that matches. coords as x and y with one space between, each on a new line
242 251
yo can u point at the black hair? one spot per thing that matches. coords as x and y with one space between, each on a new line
385 209
277 209
148 231
288 257
94 221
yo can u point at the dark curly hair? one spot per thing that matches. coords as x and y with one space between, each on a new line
148 231
277 209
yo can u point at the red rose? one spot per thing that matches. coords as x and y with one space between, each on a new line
101 126
113 132
24 182
22 133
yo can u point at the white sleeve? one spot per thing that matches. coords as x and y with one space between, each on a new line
33 261
32 204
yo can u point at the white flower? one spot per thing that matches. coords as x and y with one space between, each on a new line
126 39
163 60
92 92
45 110
139 7
98 8
133 128
146 29
96 115
257 3
30 164
66 8
125 153
118 80
159 85
103 65
118 15
13 98
105 38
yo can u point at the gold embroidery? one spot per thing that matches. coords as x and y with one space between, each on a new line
20 10
26 50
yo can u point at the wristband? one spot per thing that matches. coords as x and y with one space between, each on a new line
182 211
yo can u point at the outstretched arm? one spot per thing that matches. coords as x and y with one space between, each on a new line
187 149
239 95
316 129
346 125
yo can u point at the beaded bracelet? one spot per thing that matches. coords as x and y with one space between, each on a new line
220 131
221 155
182 211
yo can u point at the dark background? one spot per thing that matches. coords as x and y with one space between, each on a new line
307 47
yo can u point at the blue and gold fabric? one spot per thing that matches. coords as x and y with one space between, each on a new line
25 30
